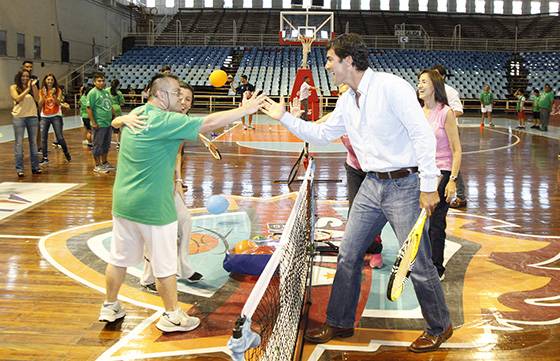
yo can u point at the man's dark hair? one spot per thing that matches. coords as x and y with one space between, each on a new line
244 77
98 75
441 70
165 68
27 62
186 85
351 44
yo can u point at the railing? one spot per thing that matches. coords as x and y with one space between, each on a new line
380 42
102 58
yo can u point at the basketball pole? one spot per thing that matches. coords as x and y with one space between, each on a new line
302 72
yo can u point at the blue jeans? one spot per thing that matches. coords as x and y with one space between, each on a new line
32 126
379 201
56 122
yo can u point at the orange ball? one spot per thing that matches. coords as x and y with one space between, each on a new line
218 78
244 246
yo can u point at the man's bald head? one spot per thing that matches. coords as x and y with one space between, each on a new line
163 82
165 90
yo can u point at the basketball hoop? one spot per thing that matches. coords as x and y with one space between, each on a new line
306 43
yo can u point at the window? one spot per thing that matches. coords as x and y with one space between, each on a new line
3 43
553 7
169 3
287 4
247 3
327 4
535 7
190 3
403 5
151 3
516 7
498 7
461 6
266 4
422 5
384 4
345 4
208 3
442 5
20 45
364 5
306 4
36 47
479 6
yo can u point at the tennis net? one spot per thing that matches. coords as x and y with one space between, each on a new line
269 324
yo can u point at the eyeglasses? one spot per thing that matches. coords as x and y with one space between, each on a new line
176 92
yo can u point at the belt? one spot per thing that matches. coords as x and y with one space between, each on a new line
396 174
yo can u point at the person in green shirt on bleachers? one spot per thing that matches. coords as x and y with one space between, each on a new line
545 104
536 110
486 101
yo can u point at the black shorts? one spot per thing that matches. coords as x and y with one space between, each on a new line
87 123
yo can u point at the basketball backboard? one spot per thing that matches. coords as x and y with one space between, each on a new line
310 24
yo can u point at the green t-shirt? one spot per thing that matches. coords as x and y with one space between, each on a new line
520 102
486 98
535 100
83 106
143 189
546 100
101 104
118 100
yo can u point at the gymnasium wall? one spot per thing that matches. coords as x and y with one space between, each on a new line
89 26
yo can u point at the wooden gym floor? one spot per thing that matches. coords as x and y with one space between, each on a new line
503 286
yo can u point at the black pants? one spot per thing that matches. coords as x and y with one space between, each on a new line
354 179
438 224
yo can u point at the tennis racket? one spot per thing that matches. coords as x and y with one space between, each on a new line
405 259
211 147
295 168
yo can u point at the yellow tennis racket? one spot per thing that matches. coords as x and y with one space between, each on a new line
405 259
211 147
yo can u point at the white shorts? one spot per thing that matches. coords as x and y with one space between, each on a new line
486 108
131 240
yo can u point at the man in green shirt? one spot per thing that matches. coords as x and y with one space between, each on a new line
100 113
144 214
545 104
486 101
536 110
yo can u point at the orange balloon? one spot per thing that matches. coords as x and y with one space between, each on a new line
244 246
218 78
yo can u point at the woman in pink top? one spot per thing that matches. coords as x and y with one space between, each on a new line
431 91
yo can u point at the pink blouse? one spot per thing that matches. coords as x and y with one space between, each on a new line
436 119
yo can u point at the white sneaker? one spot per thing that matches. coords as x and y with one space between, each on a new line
100 169
110 312
108 166
177 321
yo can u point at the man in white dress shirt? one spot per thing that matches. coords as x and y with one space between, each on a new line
396 147
454 103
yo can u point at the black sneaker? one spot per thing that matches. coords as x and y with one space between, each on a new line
45 161
196 277
68 157
151 287
37 171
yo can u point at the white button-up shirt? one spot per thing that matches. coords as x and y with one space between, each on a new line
453 98
388 130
